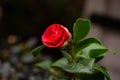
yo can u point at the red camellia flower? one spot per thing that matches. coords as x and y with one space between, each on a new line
55 36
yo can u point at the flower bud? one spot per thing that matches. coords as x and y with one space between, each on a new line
56 36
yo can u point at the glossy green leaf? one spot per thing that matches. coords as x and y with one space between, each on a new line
77 48
44 64
80 29
94 53
92 50
37 50
94 76
102 70
85 66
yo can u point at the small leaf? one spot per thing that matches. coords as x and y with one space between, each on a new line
94 53
102 70
77 48
60 63
80 29
37 50
85 66
44 64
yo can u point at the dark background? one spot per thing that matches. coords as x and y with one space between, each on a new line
30 17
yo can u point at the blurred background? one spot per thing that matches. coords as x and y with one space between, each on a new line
22 22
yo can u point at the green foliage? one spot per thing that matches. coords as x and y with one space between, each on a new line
80 57
102 70
95 53
83 44
85 66
80 29
94 50
94 76
60 63
37 50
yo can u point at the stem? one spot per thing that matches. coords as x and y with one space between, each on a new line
73 58
69 50
74 61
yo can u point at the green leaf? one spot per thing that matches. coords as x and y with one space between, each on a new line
44 64
37 50
80 29
102 70
94 76
92 50
60 63
97 53
67 55
77 48
85 66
